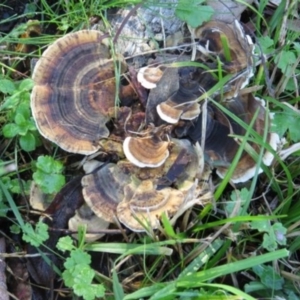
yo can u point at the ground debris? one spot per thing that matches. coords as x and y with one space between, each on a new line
3 288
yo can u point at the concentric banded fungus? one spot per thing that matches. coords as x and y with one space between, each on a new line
182 103
103 190
217 36
74 89
85 216
171 112
149 76
247 166
143 205
221 148
144 152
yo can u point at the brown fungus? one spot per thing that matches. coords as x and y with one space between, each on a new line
103 190
74 88
221 148
214 37
85 216
144 152
149 76
143 205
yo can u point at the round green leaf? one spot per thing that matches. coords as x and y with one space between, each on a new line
20 119
24 109
26 84
7 86
49 183
10 130
27 142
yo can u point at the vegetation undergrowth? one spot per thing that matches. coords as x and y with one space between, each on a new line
243 245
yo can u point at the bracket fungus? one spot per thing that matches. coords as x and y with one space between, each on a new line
221 148
233 47
150 150
74 88
126 192
182 103
149 76
74 97
219 44
143 205
103 190
226 45
85 216
227 41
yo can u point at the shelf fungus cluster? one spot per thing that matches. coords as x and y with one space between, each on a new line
137 196
159 158
224 47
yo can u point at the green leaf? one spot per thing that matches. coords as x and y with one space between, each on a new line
83 274
24 109
167 226
31 125
48 175
26 85
285 61
10 130
24 96
35 237
30 9
49 165
68 277
65 244
49 183
27 142
18 186
235 196
78 274
11 101
288 119
15 229
7 86
88 291
84 290
20 119
194 14
266 43
117 287
280 232
3 207
99 290
77 256
269 242
271 279
261 226
297 47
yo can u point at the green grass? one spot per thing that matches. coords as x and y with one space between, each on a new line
243 245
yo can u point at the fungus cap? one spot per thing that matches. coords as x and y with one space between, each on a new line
74 87
85 216
103 190
143 205
146 151
149 76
